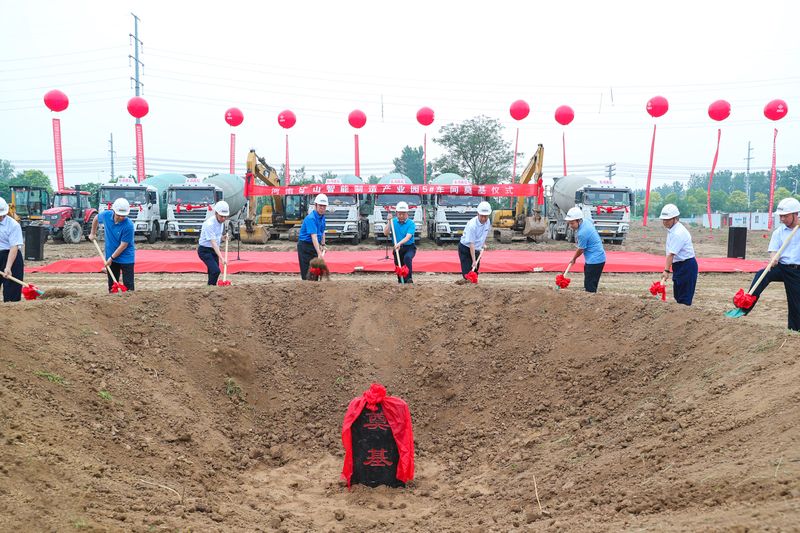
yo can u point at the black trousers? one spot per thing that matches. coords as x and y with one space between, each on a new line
305 253
211 259
591 276
12 292
126 271
684 280
406 253
466 260
790 276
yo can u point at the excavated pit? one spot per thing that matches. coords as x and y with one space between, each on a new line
211 410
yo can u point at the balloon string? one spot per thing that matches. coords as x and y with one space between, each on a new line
772 180
649 177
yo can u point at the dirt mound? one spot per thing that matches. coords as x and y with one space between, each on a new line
221 410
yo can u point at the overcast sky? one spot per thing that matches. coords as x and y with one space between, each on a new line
324 59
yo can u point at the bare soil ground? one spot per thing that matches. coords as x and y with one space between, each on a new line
183 407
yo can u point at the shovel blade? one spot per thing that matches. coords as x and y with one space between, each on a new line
734 313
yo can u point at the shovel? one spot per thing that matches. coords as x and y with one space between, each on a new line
225 282
29 290
745 300
562 281
401 271
472 275
318 267
116 287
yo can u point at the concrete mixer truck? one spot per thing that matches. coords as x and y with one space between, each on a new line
147 199
345 218
608 207
451 213
191 202
387 202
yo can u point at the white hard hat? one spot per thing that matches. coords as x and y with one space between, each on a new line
321 199
3 207
574 213
669 211
788 206
484 208
401 207
222 208
121 207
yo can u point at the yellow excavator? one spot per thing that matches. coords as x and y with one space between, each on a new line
280 215
28 203
524 221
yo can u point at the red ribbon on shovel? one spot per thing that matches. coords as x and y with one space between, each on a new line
116 287
29 290
659 288
562 281
401 271
472 275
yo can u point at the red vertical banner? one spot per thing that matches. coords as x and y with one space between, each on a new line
233 153
425 158
772 180
287 175
711 179
58 155
139 154
649 178
358 164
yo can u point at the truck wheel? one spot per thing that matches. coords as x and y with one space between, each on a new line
72 232
155 230
357 239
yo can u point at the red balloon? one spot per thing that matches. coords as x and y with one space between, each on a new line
719 110
234 116
776 109
564 115
287 119
137 107
657 106
357 118
519 109
55 100
425 116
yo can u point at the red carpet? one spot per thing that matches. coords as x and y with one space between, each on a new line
374 261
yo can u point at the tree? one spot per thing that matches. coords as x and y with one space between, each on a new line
6 170
298 176
760 202
781 193
325 176
737 202
373 179
410 163
475 149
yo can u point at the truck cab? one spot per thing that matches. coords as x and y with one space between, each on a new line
345 216
70 217
451 213
608 208
385 203
188 206
28 203
144 201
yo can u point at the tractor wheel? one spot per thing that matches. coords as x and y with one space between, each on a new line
155 231
72 232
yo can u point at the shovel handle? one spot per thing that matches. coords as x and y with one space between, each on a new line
478 262
225 267
569 265
773 260
396 251
103 259
24 284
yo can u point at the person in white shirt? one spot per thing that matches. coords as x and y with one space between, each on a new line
210 239
10 254
681 262
785 268
473 241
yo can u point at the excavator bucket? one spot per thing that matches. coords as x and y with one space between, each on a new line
534 226
255 234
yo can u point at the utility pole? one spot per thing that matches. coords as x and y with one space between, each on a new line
747 174
111 151
135 57
611 171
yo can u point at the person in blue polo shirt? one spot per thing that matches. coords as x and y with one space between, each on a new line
311 242
590 245
786 267
120 251
403 229
10 254
211 238
473 241
681 262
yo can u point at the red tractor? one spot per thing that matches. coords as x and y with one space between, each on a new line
70 218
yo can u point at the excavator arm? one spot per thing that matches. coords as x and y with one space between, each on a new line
532 173
257 167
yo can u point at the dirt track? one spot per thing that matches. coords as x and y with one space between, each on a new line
221 409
